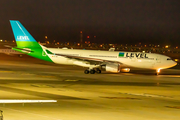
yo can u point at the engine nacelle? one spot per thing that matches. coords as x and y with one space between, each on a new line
112 67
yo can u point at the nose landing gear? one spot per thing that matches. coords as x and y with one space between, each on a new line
158 71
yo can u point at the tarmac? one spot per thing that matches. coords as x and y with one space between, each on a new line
138 95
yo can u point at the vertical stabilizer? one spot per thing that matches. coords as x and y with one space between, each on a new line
26 43
22 36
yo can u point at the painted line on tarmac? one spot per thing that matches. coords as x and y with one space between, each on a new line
147 95
6 71
170 75
71 80
121 74
130 98
175 107
46 76
50 118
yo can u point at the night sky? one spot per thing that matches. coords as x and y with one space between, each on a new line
111 21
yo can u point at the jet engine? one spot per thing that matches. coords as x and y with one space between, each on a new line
112 67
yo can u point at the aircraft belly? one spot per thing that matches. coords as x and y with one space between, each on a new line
138 63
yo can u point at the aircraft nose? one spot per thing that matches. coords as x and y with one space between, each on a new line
174 63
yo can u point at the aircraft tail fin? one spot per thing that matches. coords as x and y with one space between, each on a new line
26 43
22 36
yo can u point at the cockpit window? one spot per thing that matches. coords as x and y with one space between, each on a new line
169 59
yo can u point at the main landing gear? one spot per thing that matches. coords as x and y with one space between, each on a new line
92 71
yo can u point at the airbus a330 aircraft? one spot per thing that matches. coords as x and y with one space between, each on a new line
94 60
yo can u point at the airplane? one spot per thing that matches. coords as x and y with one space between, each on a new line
94 60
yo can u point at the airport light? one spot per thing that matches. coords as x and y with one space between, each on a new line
176 60
166 46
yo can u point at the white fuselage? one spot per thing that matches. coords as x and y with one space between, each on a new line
130 59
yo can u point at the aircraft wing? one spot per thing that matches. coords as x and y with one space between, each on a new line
87 59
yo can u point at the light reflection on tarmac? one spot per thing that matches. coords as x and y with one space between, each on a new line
139 95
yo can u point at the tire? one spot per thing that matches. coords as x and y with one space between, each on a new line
92 71
86 71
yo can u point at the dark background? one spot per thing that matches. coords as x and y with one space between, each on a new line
111 21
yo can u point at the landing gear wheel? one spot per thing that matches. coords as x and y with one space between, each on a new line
86 71
98 71
92 71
